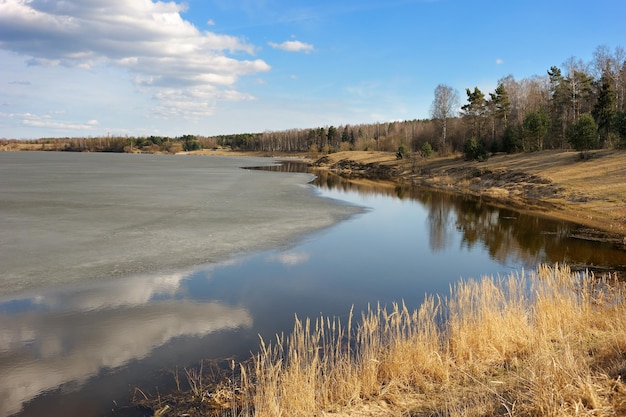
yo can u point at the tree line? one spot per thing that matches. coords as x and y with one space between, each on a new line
579 105
117 144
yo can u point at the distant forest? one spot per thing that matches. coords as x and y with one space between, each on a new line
578 105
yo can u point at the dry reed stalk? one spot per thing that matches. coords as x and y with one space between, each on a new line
550 343
489 324
578 319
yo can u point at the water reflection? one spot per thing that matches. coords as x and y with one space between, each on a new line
96 296
67 335
509 236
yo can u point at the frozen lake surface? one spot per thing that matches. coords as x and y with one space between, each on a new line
73 217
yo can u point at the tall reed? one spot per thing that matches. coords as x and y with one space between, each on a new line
545 343
550 342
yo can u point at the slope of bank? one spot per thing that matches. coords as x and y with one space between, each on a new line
558 184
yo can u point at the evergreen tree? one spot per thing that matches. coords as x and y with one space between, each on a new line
321 138
332 136
311 139
345 135
474 111
535 126
426 150
502 104
512 138
559 105
499 107
583 135
474 149
620 127
604 110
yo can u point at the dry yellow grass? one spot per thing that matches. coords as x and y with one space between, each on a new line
551 343
546 343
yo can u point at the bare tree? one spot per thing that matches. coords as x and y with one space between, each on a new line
579 80
444 107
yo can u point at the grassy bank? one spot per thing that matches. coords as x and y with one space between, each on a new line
556 183
547 343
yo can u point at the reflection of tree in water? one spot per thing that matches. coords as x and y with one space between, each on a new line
478 224
284 166
512 236
440 220
509 236
504 234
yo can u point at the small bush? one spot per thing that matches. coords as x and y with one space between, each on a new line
403 152
475 150
583 135
427 150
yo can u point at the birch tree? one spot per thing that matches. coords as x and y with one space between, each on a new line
443 108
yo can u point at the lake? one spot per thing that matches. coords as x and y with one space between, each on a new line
116 269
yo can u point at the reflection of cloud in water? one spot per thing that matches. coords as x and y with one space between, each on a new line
127 292
292 258
96 327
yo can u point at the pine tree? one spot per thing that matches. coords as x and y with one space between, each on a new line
474 111
500 108
535 128
604 110
559 102
583 135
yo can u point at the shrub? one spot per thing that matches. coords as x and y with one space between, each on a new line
475 150
403 151
427 150
583 135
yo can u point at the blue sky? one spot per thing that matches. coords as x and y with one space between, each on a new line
94 67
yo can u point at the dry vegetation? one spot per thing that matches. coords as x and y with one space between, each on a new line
550 343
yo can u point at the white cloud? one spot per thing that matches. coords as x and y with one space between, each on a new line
292 46
47 121
499 61
148 39
210 22
131 292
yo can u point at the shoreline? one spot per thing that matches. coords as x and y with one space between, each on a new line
555 184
